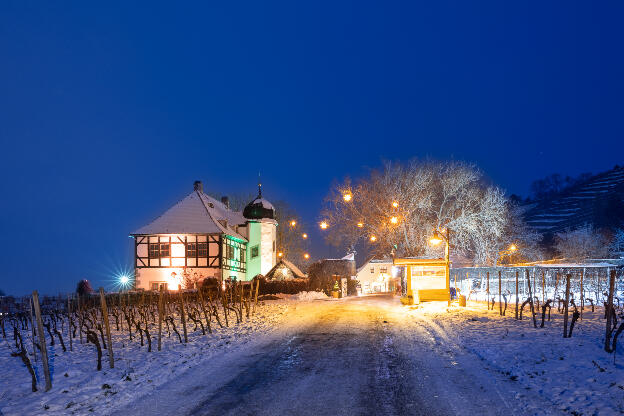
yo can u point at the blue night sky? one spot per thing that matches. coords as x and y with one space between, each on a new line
108 114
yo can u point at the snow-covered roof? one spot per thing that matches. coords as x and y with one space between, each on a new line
198 213
297 273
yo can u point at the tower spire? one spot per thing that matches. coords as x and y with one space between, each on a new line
259 186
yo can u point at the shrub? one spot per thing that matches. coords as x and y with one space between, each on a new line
291 287
84 288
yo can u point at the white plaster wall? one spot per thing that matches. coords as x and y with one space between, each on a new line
268 254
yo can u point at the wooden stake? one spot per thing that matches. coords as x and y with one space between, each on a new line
528 279
609 312
160 316
79 316
500 290
516 294
582 295
543 287
256 297
42 342
183 313
565 306
69 316
111 358
487 290
203 305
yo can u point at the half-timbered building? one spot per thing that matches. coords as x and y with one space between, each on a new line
201 237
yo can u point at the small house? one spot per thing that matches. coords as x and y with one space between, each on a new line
285 270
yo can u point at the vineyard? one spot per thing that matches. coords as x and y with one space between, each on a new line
130 338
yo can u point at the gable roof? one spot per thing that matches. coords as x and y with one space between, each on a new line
198 213
294 269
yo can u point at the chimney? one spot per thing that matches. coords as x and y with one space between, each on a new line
197 186
226 201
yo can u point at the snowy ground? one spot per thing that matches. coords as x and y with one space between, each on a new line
366 355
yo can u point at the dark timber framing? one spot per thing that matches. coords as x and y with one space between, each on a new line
213 242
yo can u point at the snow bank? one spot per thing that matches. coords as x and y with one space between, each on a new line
77 388
574 374
304 296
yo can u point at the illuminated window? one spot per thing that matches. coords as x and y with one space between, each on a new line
372 270
255 250
191 250
157 250
202 249
383 270
242 256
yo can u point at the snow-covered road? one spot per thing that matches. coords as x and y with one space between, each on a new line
342 357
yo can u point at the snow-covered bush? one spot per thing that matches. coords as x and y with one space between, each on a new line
582 243
617 245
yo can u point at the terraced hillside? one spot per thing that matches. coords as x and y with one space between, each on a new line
599 201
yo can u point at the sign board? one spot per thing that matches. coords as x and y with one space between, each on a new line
343 286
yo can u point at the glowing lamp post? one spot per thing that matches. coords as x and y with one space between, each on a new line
324 225
347 197
436 239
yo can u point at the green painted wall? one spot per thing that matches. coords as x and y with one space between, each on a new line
253 265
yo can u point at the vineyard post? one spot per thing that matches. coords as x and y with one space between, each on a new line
250 298
240 303
256 298
203 305
79 316
582 294
182 313
111 358
516 294
69 316
500 290
487 290
543 287
609 312
565 306
32 329
528 278
160 316
42 343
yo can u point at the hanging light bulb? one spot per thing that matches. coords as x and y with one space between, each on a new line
373 238
324 225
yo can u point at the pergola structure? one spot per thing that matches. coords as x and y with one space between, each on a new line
426 280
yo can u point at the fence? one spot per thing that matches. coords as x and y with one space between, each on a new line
588 284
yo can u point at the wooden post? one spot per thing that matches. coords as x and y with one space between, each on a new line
582 294
33 331
500 291
160 316
516 294
609 313
565 306
79 316
240 303
528 279
203 305
182 313
69 316
543 287
250 298
109 341
256 298
487 290
42 342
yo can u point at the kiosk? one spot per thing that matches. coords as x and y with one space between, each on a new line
425 280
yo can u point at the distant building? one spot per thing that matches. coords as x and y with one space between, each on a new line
285 270
200 237
378 275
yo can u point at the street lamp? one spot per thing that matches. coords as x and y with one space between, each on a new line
360 224
293 223
436 239
347 197
304 235
324 225
306 256
395 204
394 220
373 238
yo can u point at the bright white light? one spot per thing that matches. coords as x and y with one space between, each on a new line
124 280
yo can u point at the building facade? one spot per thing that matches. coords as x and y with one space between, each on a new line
201 237
377 276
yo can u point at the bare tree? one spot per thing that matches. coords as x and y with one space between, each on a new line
399 206
617 244
581 243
